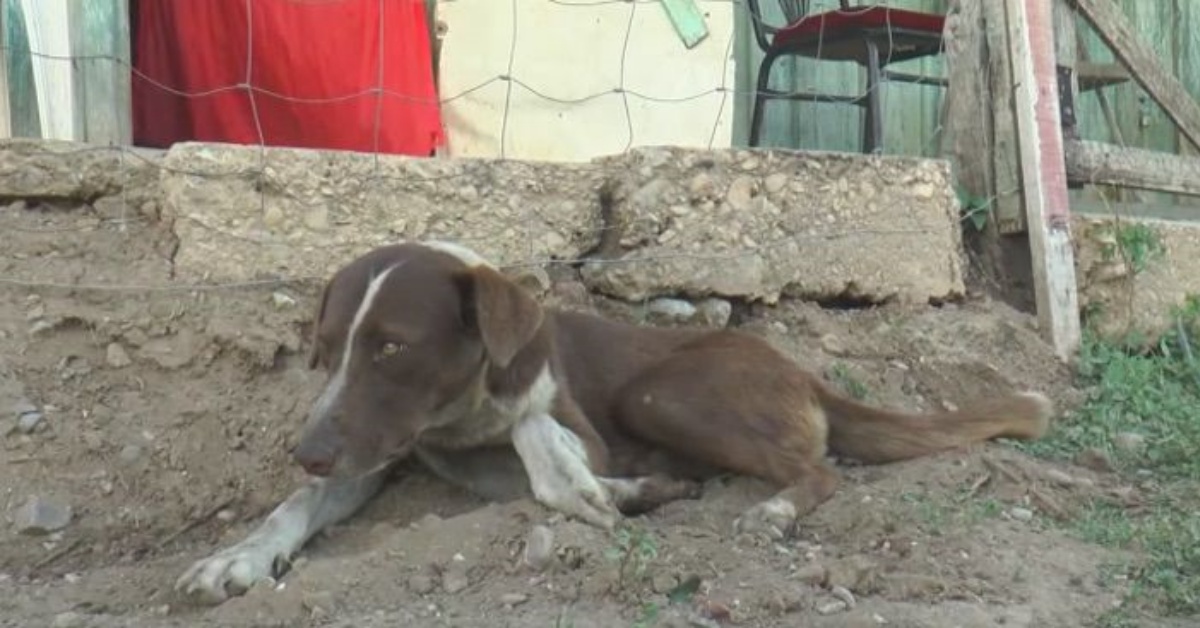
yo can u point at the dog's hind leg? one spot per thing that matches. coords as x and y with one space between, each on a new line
263 553
732 402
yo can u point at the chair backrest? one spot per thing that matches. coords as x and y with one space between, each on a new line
793 10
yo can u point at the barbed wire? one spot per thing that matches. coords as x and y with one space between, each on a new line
511 78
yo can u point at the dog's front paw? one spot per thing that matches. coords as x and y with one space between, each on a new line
590 504
229 572
772 519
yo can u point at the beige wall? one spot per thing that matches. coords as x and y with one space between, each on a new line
571 53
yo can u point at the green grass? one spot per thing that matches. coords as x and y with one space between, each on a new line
849 384
1156 394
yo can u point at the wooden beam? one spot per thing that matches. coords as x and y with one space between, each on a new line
1167 90
1065 45
967 105
1140 211
1007 211
1044 178
1098 163
1093 76
5 111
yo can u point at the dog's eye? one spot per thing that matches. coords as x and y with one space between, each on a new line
389 349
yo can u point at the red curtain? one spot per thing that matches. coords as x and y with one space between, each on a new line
312 65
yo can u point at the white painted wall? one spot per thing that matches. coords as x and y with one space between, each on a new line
571 51
48 25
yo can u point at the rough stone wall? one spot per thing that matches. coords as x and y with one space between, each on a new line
1124 299
651 222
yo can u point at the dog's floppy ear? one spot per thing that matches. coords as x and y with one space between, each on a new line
316 326
505 314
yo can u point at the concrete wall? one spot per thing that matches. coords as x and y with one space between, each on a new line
1126 299
650 222
573 57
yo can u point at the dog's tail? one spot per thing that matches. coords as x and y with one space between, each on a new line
876 435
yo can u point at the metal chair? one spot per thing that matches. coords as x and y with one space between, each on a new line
871 35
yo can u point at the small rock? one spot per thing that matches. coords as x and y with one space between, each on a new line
663 583
539 547
1129 442
30 422
36 312
421 584
68 619
513 599
1021 514
950 406
281 300
714 312
844 594
1094 459
454 578
702 187
1058 477
40 327
116 356
853 572
813 574
130 454
776 182
832 345
829 608
319 604
741 194
672 309
42 516
23 406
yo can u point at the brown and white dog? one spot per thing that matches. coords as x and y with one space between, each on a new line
432 352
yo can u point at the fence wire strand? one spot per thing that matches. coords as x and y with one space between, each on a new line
512 79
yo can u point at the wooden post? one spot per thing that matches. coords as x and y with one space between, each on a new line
1066 46
968 111
5 112
1035 96
1006 177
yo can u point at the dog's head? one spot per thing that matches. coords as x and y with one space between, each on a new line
403 332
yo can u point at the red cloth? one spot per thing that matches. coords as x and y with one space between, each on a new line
313 65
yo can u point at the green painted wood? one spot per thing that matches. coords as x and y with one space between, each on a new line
22 98
911 112
688 21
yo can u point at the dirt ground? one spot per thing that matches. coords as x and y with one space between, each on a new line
167 415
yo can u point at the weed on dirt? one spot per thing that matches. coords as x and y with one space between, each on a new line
1140 417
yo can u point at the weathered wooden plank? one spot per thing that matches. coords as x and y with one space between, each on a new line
1066 43
967 99
687 20
1152 211
1093 76
1031 46
5 112
1097 163
1112 27
1006 179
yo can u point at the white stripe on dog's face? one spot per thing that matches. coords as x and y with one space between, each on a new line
337 383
